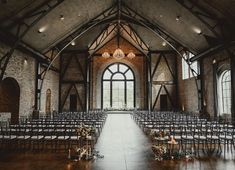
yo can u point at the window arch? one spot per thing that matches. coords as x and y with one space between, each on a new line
225 92
118 87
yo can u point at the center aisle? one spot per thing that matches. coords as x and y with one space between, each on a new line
123 144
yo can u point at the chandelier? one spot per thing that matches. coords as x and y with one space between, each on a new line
131 55
105 55
118 53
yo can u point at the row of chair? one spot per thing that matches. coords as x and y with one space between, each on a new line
50 133
190 132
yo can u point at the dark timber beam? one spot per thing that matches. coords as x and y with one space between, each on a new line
107 16
9 40
157 97
169 68
212 50
73 82
169 96
156 66
232 63
150 82
75 51
103 35
164 83
66 96
135 37
132 16
195 10
162 51
79 98
29 21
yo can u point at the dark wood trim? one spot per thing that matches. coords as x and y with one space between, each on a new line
232 66
168 66
169 96
63 71
36 86
66 96
157 97
215 93
80 67
156 66
79 99
60 84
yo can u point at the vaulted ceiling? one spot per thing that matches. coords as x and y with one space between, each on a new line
148 25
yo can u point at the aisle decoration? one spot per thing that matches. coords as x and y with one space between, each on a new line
85 131
167 152
85 151
159 134
159 151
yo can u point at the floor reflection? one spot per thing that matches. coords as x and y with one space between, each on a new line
124 146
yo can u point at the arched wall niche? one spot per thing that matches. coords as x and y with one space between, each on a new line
10 98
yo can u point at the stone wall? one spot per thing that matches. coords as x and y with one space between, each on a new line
187 89
188 96
51 82
217 61
163 77
73 80
22 68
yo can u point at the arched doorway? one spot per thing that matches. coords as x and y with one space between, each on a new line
48 102
118 87
10 98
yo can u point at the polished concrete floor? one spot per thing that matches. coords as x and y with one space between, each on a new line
124 146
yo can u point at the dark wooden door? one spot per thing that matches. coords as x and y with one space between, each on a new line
163 102
73 102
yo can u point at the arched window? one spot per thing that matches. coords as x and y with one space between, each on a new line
118 87
225 92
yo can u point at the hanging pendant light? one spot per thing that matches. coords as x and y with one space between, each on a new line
131 55
105 55
118 54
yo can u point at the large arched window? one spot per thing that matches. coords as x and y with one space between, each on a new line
118 87
225 92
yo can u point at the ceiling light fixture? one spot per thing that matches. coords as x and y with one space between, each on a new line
73 43
42 29
131 55
106 54
197 30
62 17
163 43
177 18
25 61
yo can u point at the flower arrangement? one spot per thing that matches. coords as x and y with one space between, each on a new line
160 134
159 151
84 131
